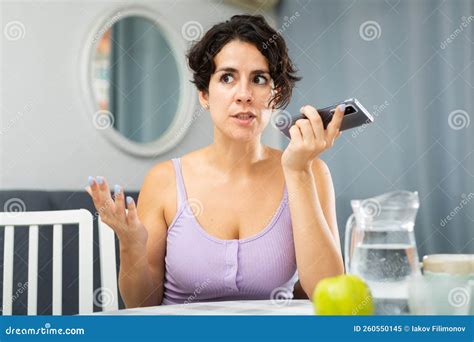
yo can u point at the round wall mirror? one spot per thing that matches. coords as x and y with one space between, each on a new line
137 82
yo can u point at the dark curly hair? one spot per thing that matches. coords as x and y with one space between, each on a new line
251 29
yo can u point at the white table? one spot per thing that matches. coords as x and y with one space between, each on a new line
241 307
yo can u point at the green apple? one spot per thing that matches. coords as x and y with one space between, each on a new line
343 295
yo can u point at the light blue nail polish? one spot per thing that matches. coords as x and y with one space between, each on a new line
342 107
129 200
90 179
117 189
100 179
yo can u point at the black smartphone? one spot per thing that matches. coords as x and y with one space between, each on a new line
355 115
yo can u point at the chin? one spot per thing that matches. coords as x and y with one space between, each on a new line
244 136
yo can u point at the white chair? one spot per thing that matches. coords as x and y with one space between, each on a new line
34 220
108 267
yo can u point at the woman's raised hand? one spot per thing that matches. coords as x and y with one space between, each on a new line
309 138
130 231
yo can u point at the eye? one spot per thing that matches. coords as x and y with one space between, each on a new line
225 77
265 80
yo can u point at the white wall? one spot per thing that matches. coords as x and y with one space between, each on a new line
48 140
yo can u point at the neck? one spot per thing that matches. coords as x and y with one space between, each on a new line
236 157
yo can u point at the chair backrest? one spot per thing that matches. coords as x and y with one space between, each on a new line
34 220
108 268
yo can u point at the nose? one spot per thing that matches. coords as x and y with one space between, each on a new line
244 93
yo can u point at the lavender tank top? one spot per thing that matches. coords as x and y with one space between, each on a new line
200 267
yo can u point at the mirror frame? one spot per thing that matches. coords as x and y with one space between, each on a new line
187 98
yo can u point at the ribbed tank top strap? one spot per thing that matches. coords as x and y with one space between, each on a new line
181 191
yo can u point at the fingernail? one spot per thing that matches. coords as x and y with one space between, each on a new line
90 179
117 189
100 179
342 107
129 200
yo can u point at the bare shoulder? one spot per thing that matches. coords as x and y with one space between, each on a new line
156 187
159 175
161 172
158 193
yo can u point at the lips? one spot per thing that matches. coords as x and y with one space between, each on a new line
244 115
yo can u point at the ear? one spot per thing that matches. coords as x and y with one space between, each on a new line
274 92
203 98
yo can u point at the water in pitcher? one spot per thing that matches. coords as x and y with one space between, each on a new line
386 259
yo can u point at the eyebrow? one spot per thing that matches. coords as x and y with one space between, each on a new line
229 69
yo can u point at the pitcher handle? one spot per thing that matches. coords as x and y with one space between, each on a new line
347 241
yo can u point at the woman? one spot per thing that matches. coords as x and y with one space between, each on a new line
235 219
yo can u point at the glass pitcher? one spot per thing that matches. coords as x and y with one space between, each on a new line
380 247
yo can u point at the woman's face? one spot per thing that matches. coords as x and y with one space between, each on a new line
240 83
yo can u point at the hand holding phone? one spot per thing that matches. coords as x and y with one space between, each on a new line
355 115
